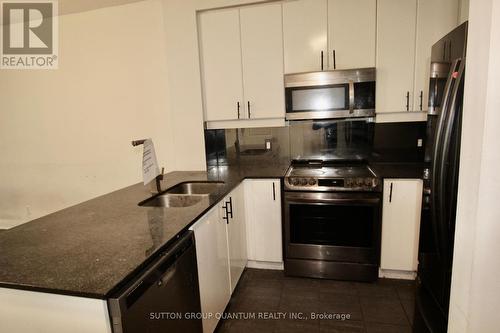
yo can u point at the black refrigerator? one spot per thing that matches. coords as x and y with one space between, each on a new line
442 152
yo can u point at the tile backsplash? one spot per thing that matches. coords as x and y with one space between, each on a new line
332 139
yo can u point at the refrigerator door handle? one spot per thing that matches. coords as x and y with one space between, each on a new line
436 166
448 131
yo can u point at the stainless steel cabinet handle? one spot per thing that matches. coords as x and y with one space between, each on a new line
421 100
390 194
407 101
321 60
334 60
274 192
238 107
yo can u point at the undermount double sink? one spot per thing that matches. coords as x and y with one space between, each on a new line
183 195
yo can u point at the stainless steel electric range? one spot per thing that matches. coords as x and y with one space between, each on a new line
332 220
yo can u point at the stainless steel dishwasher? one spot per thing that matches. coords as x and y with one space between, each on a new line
164 297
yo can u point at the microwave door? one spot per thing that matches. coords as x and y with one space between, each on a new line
317 102
330 94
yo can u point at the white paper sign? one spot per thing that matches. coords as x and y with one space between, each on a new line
150 167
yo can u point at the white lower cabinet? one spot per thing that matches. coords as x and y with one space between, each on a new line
401 224
221 254
264 236
246 224
213 267
236 234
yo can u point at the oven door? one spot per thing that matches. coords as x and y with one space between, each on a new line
333 226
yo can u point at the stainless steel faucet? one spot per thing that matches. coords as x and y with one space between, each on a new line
158 178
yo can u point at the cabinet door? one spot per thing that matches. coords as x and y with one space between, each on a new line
351 33
263 199
237 236
401 224
395 54
213 267
305 35
221 64
434 20
262 58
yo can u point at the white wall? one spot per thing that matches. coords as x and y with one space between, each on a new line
184 78
65 134
463 11
475 295
125 72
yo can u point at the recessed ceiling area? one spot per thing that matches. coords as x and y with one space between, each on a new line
76 6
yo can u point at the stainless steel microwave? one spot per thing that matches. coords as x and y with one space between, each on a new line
330 94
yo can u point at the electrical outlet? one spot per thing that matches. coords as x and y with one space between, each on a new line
420 142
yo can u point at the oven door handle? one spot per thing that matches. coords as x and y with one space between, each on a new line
317 200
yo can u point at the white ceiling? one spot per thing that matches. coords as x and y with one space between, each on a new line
75 6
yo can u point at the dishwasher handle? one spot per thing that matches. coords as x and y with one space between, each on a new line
158 273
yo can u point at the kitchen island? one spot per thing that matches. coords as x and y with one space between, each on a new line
93 248
66 265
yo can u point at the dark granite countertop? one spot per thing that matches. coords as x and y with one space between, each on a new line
93 248
398 170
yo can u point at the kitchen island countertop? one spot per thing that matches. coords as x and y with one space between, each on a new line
93 248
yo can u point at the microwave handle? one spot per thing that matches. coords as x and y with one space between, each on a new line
351 96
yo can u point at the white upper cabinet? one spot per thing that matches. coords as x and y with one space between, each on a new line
395 54
434 20
351 33
262 59
305 35
242 64
221 64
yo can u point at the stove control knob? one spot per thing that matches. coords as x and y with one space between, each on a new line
312 181
368 181
294 181
375 182
359 181
303 181
348 182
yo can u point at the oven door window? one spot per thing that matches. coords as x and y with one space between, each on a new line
332 225
324 98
